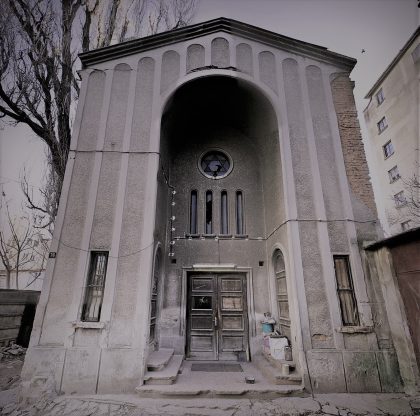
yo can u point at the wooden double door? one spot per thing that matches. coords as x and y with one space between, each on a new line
217 319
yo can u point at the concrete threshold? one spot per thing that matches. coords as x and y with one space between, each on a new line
190 384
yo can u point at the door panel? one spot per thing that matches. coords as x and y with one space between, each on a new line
233 328
217 319
202 307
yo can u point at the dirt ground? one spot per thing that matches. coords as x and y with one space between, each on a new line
132 405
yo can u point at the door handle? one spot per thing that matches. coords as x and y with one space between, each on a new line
216 322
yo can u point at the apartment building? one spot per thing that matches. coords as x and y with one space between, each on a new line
392 118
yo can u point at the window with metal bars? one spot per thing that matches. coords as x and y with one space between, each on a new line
345 291
94 291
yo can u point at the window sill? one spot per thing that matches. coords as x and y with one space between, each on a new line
89 325
355 329
192 235
239 236
225 236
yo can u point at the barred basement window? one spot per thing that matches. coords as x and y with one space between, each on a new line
193 213
224 227
94 293
209 212
240 230
345 291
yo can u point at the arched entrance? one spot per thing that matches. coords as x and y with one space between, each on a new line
221 188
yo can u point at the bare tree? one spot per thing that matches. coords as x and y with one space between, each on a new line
16 245
41 249
412 188
40 40
408 203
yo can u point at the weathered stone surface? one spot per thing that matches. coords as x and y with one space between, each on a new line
389 372
327 371
80 370
361 372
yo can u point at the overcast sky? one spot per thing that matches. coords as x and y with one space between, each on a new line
380 27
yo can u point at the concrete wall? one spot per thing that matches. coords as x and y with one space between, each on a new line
284 137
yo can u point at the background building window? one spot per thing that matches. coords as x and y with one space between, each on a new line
388 149
224 223
399 199
94 291
209 212
345 291
382 125
406 225
240 230
393 174
380 97
193 212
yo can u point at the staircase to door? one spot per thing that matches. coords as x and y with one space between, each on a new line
217 318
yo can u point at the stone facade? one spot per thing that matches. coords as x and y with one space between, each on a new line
148 112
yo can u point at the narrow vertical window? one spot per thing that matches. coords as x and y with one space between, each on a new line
153 306
94 291
209 212
345 291
239 213
224 227
281 294
193 213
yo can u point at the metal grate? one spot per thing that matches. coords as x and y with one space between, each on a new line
217 367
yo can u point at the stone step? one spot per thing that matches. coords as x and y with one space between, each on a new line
167 375
158 359
278 371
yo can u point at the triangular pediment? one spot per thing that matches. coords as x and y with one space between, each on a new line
222 24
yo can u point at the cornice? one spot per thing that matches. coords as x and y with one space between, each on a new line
221 24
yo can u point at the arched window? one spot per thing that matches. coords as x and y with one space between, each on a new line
240 229
224 223
193 212
155 284
209 212
281 293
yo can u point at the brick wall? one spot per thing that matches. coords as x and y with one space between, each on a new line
351 140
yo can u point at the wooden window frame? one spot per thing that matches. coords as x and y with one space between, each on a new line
92 285
349 311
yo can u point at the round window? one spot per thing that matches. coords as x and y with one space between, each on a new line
215 164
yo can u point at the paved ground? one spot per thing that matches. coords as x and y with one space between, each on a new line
132 405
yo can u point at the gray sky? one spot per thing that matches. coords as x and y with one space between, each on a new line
380 27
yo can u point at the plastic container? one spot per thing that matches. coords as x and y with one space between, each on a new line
277 346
